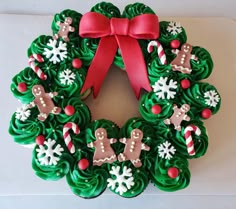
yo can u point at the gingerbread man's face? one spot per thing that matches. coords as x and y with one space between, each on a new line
185 108
186 48
137 134
38 90
101 134
68 20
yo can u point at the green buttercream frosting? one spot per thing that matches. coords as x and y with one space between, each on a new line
30 79
64 87
196 97
81 115
166 37
87 183
107 9
159 174
133 10
60 18
25 132
148 101
202 68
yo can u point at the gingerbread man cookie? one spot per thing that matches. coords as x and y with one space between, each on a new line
65 28
103 150
182 61
178 116
44 102
133 147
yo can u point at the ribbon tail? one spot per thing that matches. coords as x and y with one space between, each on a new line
100 65
134 63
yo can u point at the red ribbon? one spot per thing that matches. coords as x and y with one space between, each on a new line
118 33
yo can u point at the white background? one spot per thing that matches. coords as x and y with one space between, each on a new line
222 8
213 183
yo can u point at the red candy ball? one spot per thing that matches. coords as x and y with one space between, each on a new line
175 44
173 172
156 109
83 164
22 87
69 110
40 139
206 113
76 63
185 83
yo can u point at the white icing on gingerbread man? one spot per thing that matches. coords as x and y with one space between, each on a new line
44 102
178 116
103 150
65 28
133 147
182 61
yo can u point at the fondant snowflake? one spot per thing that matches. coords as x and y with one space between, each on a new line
67 77
165 150
49 155
163 89
174 28
211 98
123 181
57 53
22 113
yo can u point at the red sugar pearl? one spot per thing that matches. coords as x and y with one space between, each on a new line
173 172
83 164
76 63
156 109
206 113
40 139
22 87
175 44
185 83
69 110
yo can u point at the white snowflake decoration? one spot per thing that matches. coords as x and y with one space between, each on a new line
174 28
211 98
165 150
124 181
67 77
163 89
46 156
22 113
56 53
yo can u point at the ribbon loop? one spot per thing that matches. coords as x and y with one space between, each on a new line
119 26
122 33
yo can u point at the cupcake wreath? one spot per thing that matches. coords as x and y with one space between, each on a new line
97 154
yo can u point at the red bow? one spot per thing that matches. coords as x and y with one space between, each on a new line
118 33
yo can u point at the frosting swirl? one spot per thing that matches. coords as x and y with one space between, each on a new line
133 10
25 132
107 9
160 178
29 78
87 183
148 101
202 68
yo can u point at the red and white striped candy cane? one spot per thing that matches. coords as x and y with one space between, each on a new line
189 139
34 67
66 135
160 51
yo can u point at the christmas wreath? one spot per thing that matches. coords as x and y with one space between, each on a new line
97 154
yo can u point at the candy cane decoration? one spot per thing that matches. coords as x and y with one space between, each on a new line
160 51
189 139
66 135
34 67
